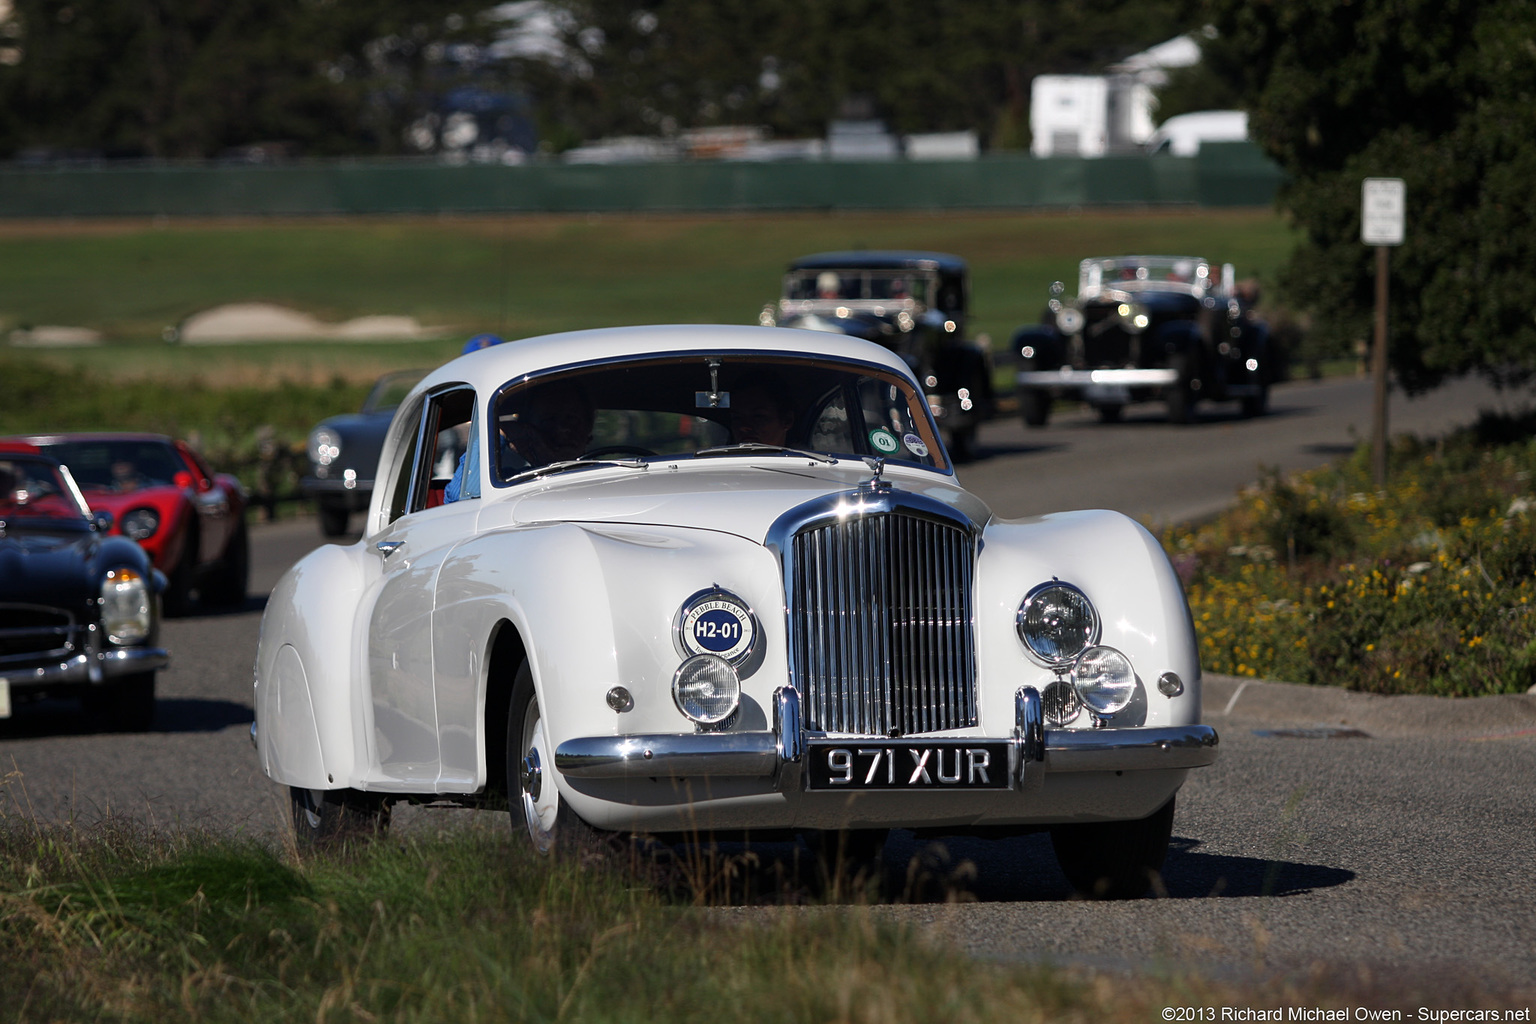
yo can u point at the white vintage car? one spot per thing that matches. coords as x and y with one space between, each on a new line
717 579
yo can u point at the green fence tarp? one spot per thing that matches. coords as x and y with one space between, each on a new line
1232 174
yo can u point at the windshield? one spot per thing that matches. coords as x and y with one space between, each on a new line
1189 274
121 466
703 406
390 390
33 488
854 285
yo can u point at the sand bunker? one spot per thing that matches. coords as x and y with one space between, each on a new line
55 337
263 321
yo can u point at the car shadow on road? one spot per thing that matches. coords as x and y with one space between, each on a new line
1018 869
1024 869
60 717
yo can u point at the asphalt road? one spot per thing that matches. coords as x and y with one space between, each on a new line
1395 836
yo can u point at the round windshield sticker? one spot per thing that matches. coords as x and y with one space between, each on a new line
884 441
717 624
915 445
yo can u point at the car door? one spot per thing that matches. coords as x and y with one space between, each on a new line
399 601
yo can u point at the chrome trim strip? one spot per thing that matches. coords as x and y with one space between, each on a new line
85 668
757 754
680 755
1082 378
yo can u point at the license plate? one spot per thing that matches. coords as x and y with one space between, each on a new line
1108 394
849 765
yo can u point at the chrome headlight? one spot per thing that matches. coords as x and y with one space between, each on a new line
1104 679
706 689
717 622
141 523
324 446
127 607
1056 623
1069 320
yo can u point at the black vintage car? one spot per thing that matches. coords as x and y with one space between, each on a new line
79 608
344 452
913 303
1147 328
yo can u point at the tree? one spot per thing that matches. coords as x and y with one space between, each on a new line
1440 93
190 78
921 65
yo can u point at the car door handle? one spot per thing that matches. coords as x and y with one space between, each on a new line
389 547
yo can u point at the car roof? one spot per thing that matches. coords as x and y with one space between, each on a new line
9 447
489 368
881 259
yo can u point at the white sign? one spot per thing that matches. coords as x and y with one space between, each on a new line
1382 202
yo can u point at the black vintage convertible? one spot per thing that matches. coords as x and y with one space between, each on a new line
79 608
1147 328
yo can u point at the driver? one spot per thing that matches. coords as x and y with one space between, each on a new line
554 424
761 411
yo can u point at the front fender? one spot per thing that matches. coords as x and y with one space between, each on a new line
1125 573
596 606
1047 347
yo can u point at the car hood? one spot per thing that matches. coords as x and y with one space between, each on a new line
48 568
159 496
742 499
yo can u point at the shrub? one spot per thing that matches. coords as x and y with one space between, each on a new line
1425 586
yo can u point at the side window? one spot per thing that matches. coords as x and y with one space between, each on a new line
430 455
404 468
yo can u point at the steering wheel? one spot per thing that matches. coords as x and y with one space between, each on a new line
616 449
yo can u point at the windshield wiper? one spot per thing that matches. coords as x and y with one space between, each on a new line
551 468
758 448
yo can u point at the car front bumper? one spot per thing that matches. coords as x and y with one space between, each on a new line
89 668
1067 377
350 491
779 753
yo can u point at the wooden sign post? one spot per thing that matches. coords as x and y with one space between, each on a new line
1382 205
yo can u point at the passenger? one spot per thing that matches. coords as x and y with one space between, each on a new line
828 286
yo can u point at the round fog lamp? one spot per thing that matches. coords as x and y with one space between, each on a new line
1104 679
706 689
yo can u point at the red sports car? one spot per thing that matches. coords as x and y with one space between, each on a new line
162 494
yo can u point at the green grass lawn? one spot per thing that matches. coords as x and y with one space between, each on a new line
521 276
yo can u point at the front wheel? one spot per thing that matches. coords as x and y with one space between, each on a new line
325 817
226 588
537 810
1114 860
333 520
1256 405
1035 407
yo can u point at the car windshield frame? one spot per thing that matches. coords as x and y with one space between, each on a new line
65 506
822 389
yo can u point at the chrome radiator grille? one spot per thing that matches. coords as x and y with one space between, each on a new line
880 624
29 631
